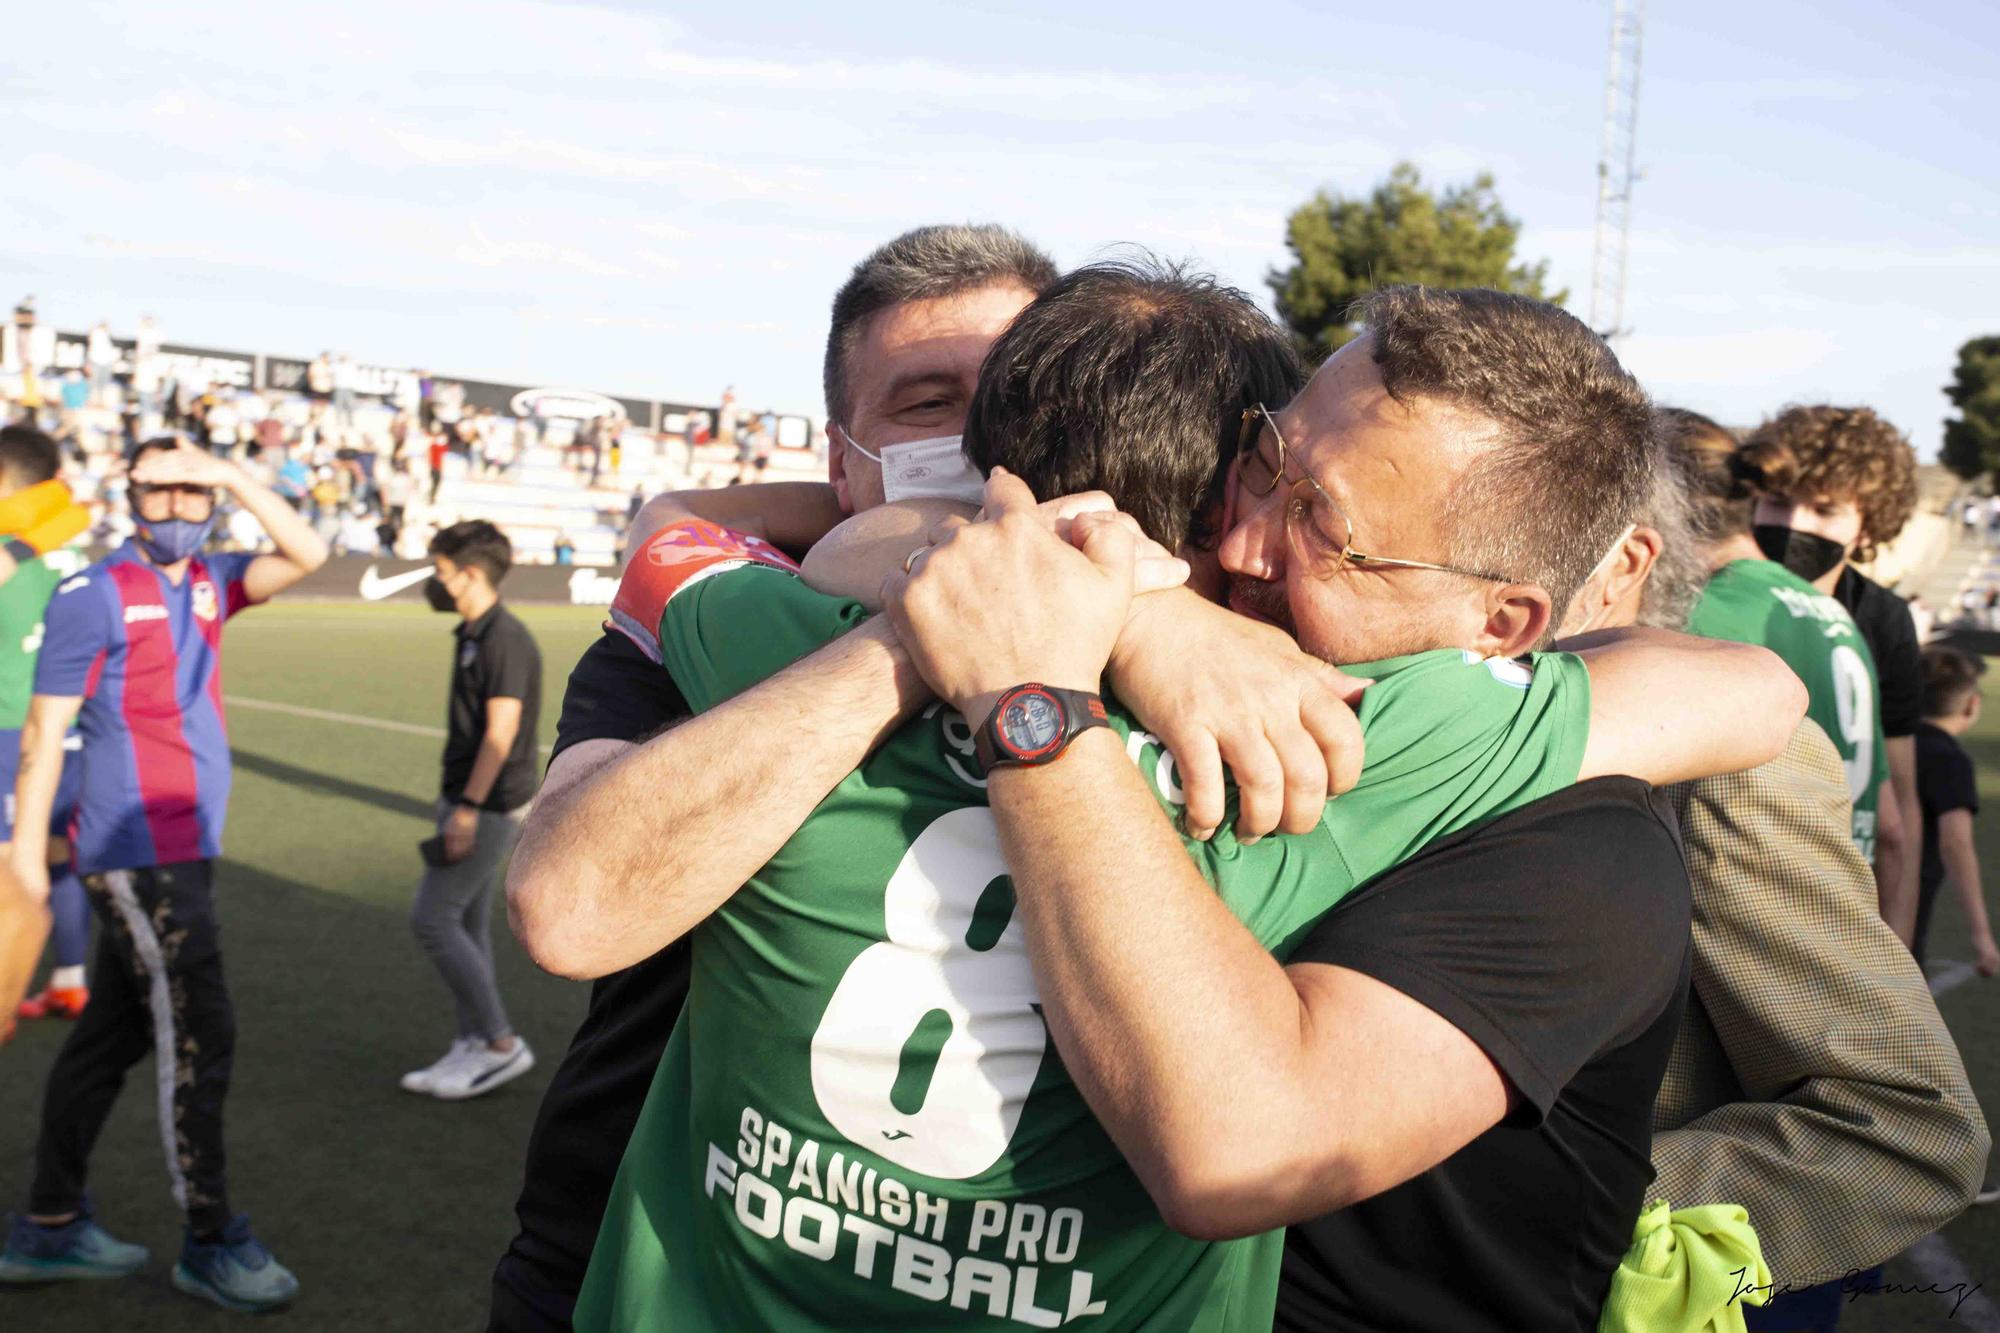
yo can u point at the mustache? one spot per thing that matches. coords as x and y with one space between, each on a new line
1267 599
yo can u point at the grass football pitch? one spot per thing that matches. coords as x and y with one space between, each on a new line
392 1208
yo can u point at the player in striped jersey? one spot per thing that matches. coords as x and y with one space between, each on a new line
132 647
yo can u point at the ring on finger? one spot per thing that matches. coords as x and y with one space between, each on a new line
910 560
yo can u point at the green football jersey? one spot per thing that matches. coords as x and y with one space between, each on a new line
1762 602
23 599
860 1121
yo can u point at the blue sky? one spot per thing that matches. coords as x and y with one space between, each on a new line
659 199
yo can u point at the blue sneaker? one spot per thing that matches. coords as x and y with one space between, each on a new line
236 1272
77 1249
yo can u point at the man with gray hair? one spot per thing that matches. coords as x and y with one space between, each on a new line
908 331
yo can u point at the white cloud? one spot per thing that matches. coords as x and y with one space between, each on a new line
486 252
1725 358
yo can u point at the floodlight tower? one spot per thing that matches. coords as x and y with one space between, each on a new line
1616 169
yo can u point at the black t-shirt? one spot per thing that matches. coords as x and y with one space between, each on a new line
615 693
1945 782
494 657
1884 621
1558 939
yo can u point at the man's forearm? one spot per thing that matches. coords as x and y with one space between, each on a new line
293 537
639 853
486 765
1902 752
1894 901
791 515
1961 866
1111 905
35 787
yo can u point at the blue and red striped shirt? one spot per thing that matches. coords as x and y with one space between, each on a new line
145 656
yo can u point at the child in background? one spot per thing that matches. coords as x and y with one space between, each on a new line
1949 794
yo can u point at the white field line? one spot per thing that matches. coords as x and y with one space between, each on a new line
345 719
1951 976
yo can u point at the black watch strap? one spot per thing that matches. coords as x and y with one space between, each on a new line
1034 724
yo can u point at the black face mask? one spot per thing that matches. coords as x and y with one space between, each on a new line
1806 554
435 594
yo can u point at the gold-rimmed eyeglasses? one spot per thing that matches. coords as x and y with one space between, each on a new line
1315 525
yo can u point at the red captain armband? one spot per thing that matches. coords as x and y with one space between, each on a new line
679 556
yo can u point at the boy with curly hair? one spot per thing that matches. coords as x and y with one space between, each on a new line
1839 483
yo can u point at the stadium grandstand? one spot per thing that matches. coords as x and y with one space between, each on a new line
380 458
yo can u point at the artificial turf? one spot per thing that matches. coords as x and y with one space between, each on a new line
392 1208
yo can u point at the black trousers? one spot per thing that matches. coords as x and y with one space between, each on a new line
157 990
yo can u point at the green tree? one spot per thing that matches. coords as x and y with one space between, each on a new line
1972 439
1343 248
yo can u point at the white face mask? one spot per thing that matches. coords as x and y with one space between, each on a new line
924 469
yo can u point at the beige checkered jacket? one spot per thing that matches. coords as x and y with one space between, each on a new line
1813 1081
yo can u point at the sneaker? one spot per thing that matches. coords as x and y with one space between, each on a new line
56 1002
1989 1192
78 1248
423 1080
236 1271
483 1069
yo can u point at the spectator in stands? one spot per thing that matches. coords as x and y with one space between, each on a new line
343 392
489 778
245 532
294 479
585 446
449 406
426 400
436 452
101 355
362 465
358 535
473 431
725 417
74 392
396 492
222 422
319 378
565 549
406 397
270 434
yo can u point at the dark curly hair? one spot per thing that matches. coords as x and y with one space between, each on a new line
1842 453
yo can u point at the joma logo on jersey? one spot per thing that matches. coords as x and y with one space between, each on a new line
135 614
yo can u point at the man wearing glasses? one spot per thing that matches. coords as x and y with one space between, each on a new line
1453 1070
132 644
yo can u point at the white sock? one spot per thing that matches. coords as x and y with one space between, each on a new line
67 978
